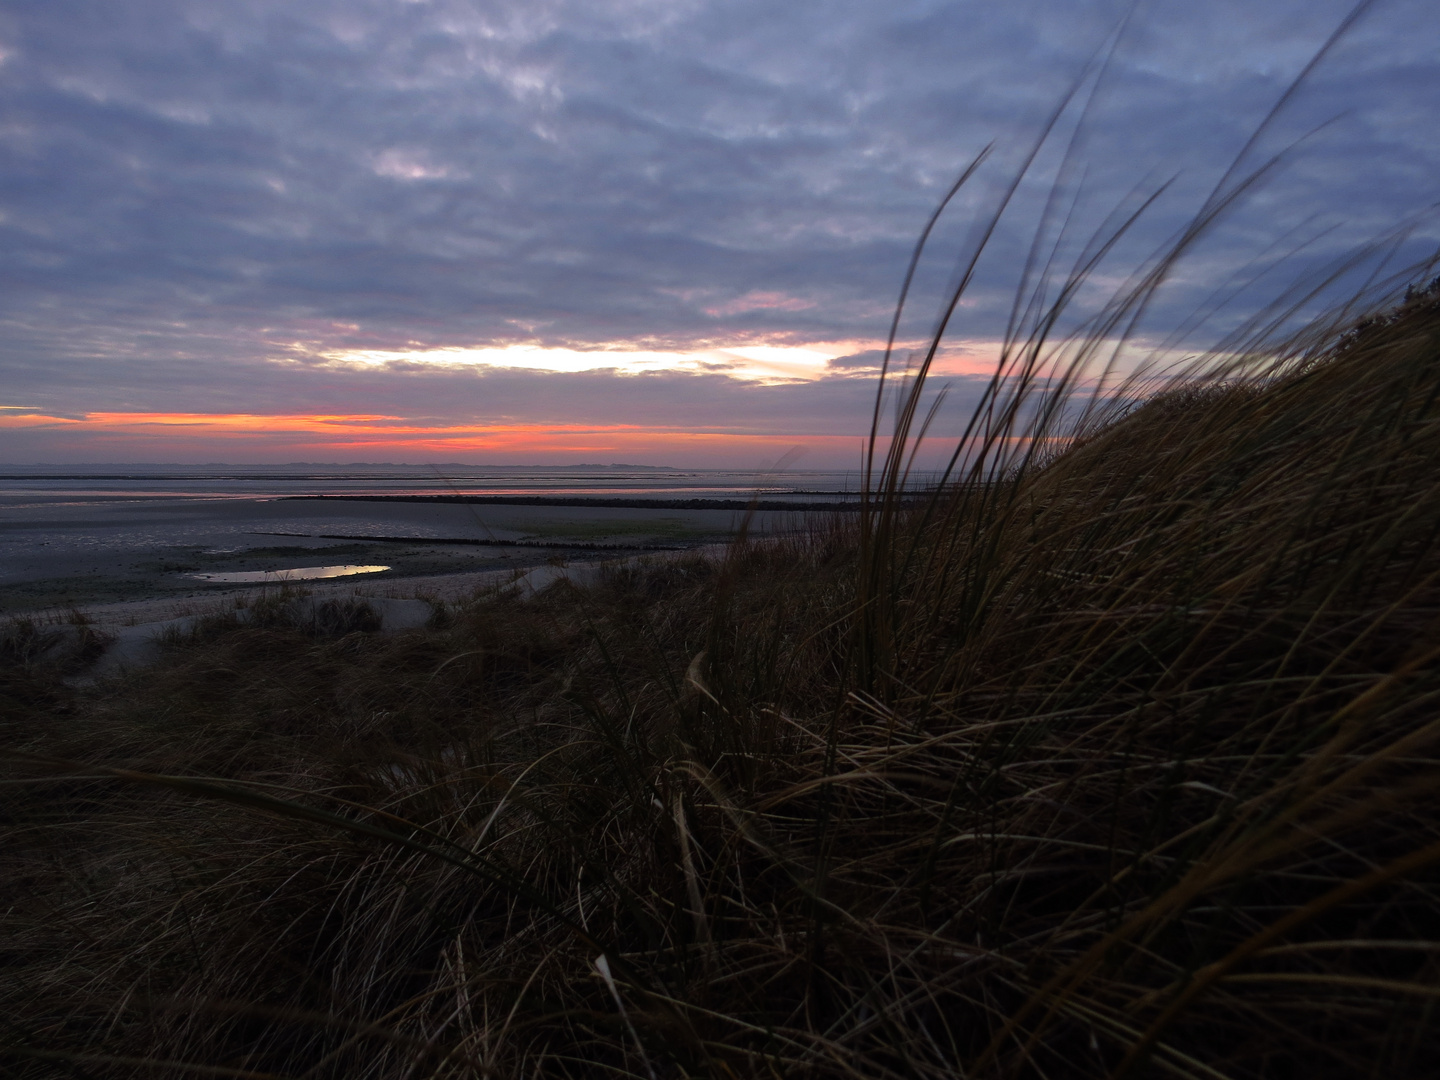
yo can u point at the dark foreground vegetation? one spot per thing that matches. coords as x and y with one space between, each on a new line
1125 763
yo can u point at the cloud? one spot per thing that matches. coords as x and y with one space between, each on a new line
869 360
759 301
190 189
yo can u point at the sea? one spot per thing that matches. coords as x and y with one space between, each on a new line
48 484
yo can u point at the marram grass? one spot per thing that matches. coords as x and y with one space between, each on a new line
1142 781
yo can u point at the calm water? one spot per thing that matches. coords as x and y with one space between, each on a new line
298 573
42 484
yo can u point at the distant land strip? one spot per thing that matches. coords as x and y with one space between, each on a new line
574 500
586 545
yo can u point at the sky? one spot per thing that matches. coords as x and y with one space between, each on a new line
653 231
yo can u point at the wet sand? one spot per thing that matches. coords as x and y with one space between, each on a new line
446 588
59 553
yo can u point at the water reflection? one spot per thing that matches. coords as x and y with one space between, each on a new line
299 573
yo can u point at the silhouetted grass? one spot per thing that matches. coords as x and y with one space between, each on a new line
1143 777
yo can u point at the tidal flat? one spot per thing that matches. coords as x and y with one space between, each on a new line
78 550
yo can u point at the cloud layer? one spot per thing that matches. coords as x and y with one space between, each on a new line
203 204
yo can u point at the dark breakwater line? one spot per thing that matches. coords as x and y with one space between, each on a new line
584 545
598 503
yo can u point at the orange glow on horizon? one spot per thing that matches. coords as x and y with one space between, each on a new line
331 434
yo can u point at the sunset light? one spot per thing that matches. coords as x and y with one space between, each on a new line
754 363
176 436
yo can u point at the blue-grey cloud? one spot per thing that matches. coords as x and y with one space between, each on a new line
190 187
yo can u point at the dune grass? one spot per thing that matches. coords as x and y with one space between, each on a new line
1135 774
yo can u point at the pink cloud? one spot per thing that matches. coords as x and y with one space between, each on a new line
759 301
